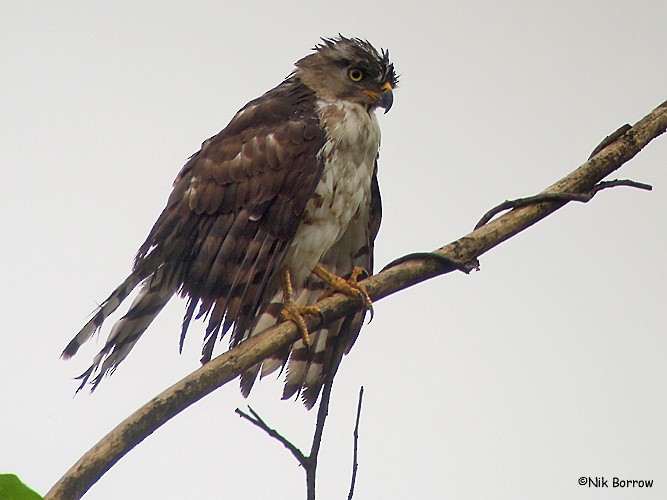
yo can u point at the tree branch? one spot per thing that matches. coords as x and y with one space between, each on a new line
229 365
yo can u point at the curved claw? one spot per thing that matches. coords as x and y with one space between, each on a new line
372 312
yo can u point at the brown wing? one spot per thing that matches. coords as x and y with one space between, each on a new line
227 226
235 208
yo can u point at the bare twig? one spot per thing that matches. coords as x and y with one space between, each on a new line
355 463
610 139
255 419
558 197
309 463
448 265
226 367
322 413
564 197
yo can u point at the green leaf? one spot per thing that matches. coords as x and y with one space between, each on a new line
11 488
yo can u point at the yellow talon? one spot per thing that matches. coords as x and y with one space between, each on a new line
349 287
294 312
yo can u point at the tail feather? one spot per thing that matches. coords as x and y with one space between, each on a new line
152 298
269 318
108 307
304 365
339 341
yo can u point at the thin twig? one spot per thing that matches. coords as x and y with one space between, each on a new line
448 265
259 422
355 463
309 463
610 139
620 182
558 197
322 413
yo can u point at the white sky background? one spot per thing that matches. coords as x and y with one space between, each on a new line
512 382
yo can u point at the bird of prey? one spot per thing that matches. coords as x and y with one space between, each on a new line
277 209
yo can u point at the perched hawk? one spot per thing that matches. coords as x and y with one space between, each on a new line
266 217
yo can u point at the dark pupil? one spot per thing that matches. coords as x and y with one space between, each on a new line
356 74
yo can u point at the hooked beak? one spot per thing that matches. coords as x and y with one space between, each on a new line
384 98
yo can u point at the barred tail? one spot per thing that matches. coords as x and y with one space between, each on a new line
108 307
152 298
305 367
305 296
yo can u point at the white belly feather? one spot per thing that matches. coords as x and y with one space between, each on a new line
349 154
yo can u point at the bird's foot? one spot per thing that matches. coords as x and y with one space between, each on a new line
349 287
294 312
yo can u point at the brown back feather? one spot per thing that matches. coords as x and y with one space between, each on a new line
235 208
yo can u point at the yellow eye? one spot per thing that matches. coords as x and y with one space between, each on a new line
355 74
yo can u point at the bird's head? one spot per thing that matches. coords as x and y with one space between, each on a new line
350 69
